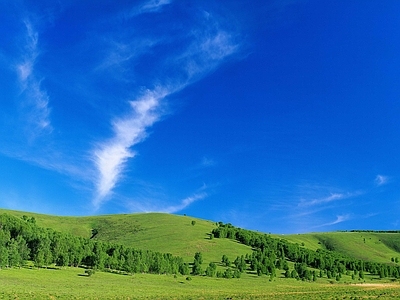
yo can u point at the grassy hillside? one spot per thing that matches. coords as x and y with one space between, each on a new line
154 231
175 234
371 246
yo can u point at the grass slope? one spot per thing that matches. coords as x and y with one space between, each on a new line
371 246
165 233
175 234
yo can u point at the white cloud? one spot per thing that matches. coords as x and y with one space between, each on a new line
110 156
150 6
185 203
207 51
153 5
339 219
381 180
155 202
35 104
332 197
207 162
208 48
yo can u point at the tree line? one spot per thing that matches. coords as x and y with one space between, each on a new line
21 240
273 253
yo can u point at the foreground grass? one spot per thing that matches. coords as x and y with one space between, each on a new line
70 283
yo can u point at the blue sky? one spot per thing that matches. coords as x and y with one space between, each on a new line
279 116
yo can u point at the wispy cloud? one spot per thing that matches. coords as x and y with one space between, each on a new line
185 203
207 162
339 219
111 156
381 180
208 48
155 202
35 104
153 5
328 199
206 52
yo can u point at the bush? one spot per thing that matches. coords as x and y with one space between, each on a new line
89 272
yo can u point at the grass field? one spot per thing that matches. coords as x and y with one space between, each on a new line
176 234
70 283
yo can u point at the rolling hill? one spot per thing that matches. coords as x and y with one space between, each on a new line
184 236
369 246
153 231
175 234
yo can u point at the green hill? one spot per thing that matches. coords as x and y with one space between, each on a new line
152 231
369 246
175 234
184 236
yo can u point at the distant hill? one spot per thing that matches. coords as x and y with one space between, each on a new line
370 246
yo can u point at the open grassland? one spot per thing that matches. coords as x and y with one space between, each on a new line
70 283
370 246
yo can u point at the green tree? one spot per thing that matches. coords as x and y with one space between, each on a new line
225 260
198 257
196 269
211 269
39 259
361 274
184 269
3 256
14 258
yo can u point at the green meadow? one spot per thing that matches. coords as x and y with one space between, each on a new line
184 236
71 283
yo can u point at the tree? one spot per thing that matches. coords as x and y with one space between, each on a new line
196 269
23 249
228 273
193 223
39 259
287 274
211 269
198 257
225 260
240 263
14 258
3 256
184 269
